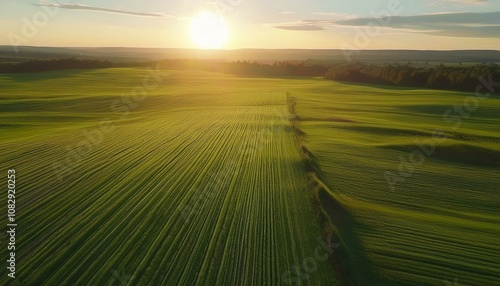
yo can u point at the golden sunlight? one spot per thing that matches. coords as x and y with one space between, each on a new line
209 31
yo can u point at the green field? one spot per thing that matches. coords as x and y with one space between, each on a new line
442 223
207 180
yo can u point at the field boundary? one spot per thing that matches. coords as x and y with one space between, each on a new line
319 193
335 220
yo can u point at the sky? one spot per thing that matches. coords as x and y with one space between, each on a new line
297 24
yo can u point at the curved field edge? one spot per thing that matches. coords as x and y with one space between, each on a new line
335 220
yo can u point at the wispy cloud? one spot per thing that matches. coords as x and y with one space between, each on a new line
468 1
473 25
298 26
456 3
337 16
74 6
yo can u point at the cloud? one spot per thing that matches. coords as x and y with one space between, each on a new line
456 3
473 25
339 16
469 1
299 26
72 6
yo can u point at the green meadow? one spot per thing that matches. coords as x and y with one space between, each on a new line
430 218
145 177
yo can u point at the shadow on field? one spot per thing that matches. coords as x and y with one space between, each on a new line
459 153
350 263
382 86
385 131
41 76
330 119
486 112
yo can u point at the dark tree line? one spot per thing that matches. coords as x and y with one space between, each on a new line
53 64
237 68
462 78
246 68
442 77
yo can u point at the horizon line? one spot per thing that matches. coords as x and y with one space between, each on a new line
239 49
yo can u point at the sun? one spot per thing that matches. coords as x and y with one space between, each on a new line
209 31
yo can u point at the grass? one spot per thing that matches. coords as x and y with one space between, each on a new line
438 225
207 181
197 185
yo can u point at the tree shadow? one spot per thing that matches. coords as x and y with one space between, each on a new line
357 267
43 75
383 86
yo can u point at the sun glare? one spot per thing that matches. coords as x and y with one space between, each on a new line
209 31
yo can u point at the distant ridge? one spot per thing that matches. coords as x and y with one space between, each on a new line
7 53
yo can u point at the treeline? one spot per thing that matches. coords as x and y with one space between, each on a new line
245 68
461 78
237 68
54 64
